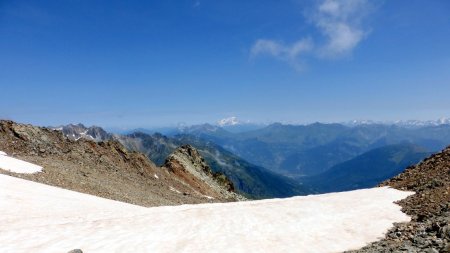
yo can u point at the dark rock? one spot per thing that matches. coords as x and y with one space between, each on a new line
75 251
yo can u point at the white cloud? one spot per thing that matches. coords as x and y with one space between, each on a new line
339 22
288 53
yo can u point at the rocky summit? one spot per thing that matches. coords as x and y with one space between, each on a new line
429 208
107 169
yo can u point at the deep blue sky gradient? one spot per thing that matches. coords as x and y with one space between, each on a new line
155 63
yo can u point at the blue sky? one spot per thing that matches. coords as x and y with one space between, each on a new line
155 63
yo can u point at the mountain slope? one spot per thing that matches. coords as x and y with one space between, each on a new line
369 169
319 159
105 169
156 146
248 179
187 164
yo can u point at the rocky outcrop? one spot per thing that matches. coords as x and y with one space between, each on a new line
106 168
187 164
429 208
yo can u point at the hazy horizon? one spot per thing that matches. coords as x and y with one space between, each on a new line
124 128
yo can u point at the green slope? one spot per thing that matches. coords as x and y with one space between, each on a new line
368 169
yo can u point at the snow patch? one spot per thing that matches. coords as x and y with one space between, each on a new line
42 218
16 165
156 176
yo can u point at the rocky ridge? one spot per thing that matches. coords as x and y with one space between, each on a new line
106 168
429 208
187 163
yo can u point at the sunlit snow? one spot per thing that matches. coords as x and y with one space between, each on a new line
16 165
40 218
231 121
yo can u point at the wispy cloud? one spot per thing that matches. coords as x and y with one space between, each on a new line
288 53
340 22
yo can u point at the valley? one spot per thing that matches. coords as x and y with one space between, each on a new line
318 157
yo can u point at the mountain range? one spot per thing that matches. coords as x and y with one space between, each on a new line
250 180
280 160
307 150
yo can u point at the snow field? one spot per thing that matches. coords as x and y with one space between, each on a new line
42 218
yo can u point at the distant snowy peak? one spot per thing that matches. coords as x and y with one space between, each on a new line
401 123
231 121
78 131
362 122
422 123
234 125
